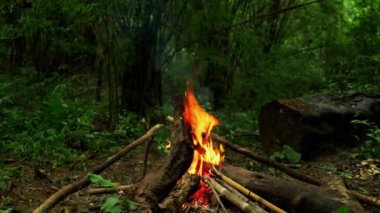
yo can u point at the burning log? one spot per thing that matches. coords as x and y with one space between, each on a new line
155 186
289 194
181 193
313 126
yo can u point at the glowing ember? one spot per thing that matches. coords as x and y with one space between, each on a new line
206 156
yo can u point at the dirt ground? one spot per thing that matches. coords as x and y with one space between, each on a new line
33 185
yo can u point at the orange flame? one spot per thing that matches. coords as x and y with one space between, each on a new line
205 154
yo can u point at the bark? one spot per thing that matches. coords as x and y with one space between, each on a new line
180 194
288 194
157 185
316 125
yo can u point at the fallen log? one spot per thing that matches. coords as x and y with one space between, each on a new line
313 126
84 181
289 194
375 201
291 172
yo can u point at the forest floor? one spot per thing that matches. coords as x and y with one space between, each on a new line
32 185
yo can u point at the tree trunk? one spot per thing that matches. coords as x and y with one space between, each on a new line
141 87
314 126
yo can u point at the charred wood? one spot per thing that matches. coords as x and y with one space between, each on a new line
157 185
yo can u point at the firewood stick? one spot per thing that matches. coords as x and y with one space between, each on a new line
258 209
248 193
96 191
206 180
291 172
223 192
84 181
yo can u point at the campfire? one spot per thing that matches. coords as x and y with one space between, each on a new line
207 156
193 177
203 179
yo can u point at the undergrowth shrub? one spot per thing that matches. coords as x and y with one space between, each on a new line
240 127
371 147
44 122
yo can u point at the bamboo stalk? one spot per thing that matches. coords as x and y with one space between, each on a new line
223 192
258 209
206 180
248 193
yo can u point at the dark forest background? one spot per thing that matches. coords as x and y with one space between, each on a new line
81 76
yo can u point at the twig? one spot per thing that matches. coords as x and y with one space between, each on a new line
73 187
248 193
365 198
274 164
97 191
243 206
206 180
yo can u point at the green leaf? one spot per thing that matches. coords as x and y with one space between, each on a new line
99 180
111 205
6 211
343 209
278 156
132 205
293 156
363 122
